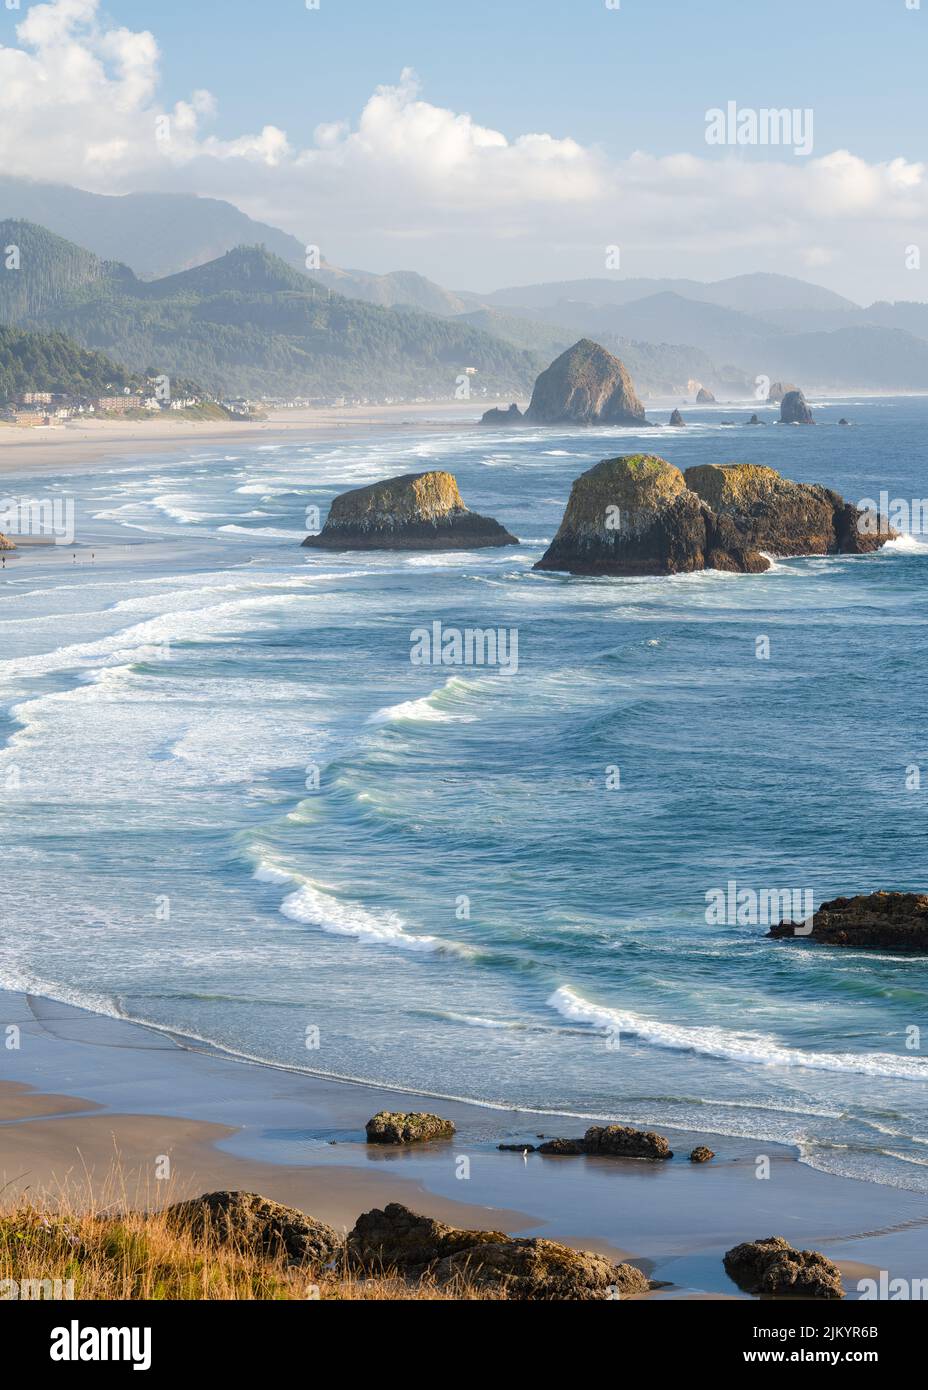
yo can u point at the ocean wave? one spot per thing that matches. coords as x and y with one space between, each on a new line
907 545
752 1048
313 906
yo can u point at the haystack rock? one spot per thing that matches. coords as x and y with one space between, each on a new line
677 419
885 921
778 390
794 410
418 511
704 397
586 385
521 1268
635 515
772 514
498 416
773 1267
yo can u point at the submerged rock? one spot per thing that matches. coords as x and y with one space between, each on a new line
701 1154
395 1127
251 1222
568 1147
842 421
677 419
416 511
516 1148
774 1268
704 397
755 420
890 921
635 515
794 410
398 1239
498 416
586 385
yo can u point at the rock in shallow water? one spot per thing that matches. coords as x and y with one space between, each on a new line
892 921
397 1127
416 511
586 385
612 1141
701 1154
773 1267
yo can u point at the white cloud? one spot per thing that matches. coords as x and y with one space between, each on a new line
415 183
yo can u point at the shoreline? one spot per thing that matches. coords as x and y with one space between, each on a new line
83 1090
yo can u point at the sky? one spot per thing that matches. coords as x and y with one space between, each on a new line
494 142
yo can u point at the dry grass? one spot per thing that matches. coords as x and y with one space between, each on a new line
134 1255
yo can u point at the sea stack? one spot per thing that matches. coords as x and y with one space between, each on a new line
586 385
704 397
416 511
635 515
794 410
875 921
677 420
778 390
498 416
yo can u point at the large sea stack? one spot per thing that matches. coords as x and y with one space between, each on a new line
635 515
780 517
704 397
586 385
794 410
640 515
417 511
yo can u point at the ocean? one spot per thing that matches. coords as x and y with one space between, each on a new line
235 809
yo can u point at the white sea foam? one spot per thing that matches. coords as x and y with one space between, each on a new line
907 545
754 1048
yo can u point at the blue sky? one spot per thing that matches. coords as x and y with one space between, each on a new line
526 138
639 77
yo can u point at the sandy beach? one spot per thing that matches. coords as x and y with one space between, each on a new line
72 444
83 1092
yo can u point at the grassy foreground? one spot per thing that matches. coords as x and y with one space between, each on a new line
139 1256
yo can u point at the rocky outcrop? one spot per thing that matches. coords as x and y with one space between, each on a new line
395 1127
251 1222
498 416
677 419
6 543
398 1239
704 397
772 514
635 515
701 1154
755 420
774 1268
417 511
794 410
842 421
778 390
889 921
516 1148
586 385
613 1141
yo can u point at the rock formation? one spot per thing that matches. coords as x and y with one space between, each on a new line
778 390
677 419
612 1141
417 511
794 410
774 1268
388 1127
704 397
888 921
701 1154
842 421
498 416
755 420
6 543
586 385
397 1239
637 514
252 1222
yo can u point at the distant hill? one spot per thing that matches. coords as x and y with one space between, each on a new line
51 362
249 323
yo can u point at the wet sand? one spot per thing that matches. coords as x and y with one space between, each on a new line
83 1092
